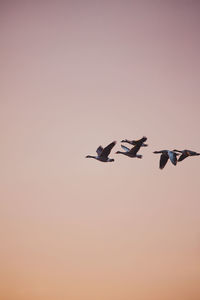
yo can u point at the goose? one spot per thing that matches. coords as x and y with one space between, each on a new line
165 155
186 153
136 142
102 153
130 152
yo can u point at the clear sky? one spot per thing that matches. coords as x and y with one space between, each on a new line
79 74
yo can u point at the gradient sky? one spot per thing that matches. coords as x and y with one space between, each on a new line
74 75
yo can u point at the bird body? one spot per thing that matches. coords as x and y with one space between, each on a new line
100 158
165 155
186 153
102 153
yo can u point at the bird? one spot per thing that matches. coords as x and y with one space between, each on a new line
130 152
165 155
186 153
136 142
102 153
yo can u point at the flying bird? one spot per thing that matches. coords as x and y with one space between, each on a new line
186 153
102 153
130 152
165 155
136 142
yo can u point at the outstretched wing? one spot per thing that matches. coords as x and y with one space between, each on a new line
128 141
172 157
135 149
163 160
141 141
183 156
125 148
107 149
138 145
99 150
136 142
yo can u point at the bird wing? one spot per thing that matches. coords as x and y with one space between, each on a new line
128 141
135 149
138 145
183 156
99 150
125 148
141 141
175 150
172 156
107 149
138 142
163 160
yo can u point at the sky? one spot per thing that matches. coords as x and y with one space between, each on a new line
75 75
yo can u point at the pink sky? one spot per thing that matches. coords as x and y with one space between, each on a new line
74 75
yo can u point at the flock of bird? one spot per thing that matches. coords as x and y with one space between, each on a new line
103 153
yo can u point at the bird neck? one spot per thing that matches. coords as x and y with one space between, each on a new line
120 152
91 156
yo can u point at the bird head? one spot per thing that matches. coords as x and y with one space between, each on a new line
111 159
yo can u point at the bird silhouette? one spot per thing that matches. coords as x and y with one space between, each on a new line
165 155
102 153
186 153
